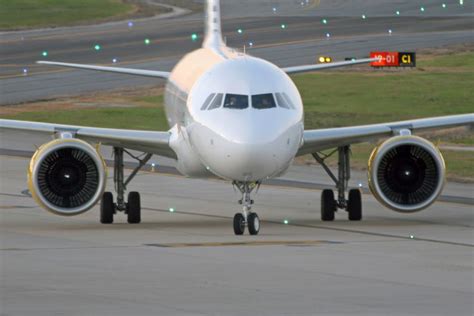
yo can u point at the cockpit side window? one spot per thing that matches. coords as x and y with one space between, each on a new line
217 102
263 101
281 101
236 101
288 100
207 102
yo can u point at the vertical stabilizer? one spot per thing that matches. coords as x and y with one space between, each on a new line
213 37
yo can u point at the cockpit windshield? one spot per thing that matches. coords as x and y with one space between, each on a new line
263 101
236 101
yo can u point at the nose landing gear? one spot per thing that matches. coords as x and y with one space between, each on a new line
247 217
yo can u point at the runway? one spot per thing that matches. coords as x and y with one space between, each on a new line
303 39
189 262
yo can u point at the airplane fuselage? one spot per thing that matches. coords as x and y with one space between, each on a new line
232 115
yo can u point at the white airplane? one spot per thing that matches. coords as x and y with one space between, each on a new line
239 118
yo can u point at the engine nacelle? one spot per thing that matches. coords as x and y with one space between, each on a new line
67 176
406 173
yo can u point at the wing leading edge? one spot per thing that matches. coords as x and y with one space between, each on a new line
127 71
321 139
307 68
146 141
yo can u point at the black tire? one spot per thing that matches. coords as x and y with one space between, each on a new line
107 208
354 205
134 208
328 205
253 224
239 224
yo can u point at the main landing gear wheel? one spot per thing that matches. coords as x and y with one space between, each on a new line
133 208
253 223
354 205
239 224
328 205
107 208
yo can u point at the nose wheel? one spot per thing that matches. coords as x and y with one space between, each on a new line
253 224
247 218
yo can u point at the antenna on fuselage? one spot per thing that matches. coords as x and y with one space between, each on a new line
213 32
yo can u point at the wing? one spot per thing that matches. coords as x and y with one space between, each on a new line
307 68
127 71
321 139
150 142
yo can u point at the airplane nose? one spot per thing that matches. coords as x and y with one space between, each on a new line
245 156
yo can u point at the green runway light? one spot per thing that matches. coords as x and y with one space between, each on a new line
397 13
461 2
412 237
422 9
324 21
283 26
444 5
286 222
44 54
240 31
97 47
171 210
364 16
147 41
194 37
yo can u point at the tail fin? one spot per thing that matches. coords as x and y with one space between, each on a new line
213 38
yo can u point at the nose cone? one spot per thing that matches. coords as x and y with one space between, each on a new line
244 153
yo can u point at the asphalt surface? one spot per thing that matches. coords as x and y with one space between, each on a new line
301 42
189 262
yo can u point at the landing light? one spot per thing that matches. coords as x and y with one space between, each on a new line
114 60
325 59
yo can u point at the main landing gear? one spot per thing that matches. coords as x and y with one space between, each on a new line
133 206
247 218
329 205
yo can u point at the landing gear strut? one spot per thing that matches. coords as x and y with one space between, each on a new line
330 205
247 217
133 207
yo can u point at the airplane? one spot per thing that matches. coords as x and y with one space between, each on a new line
239 118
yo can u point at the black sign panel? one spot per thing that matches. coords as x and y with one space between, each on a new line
407 59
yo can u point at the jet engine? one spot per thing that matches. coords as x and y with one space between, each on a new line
406 173
67 176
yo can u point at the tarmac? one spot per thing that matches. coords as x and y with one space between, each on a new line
183 259
188 262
